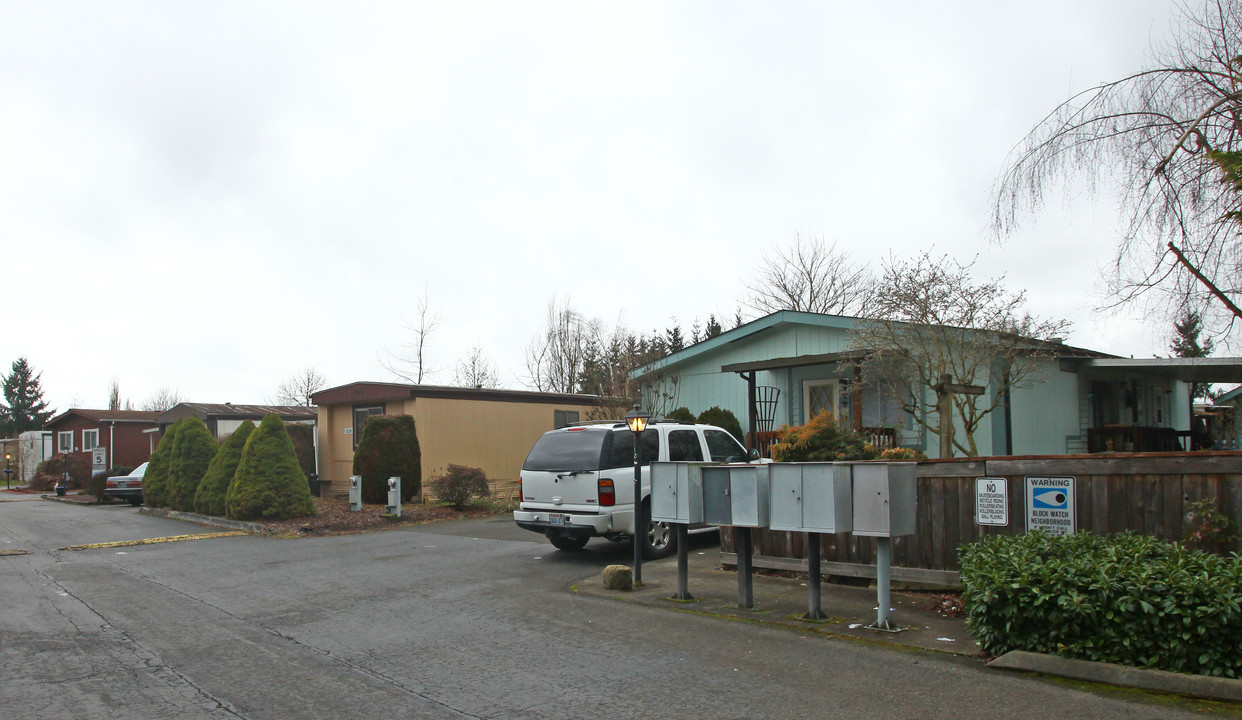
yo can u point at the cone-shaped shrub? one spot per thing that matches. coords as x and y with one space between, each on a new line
155 481
192 453
388 448
268 483
724 419
209 499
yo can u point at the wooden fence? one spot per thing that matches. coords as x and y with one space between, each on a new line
1148 493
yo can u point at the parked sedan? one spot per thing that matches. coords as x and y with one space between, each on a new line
127 487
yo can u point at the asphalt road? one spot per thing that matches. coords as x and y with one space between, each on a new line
458 620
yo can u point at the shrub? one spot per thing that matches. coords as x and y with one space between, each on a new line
901 453
191 454
155 481
1129 599
682 414
99 482
303 439
821 440
459 484
51 472
388 448
268 483
209 498
1210 529
723 419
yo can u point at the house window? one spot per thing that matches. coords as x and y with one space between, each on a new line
832 395
64 442
361 413
561 418
90 440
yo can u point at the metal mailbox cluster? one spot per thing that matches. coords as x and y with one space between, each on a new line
869 499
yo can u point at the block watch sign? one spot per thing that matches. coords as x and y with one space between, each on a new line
992 501
1050 505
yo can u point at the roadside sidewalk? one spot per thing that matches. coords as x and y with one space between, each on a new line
781 601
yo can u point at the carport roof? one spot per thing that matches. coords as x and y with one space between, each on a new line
1209 370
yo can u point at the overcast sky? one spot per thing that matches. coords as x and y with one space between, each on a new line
210 197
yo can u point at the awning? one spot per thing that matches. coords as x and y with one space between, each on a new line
1199 370
797 361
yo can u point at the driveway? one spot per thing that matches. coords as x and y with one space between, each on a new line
440 621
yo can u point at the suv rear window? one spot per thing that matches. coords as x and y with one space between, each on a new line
566 451
589 450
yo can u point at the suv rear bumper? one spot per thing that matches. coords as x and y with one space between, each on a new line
575 524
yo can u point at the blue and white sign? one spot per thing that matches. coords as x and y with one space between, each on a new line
1050 505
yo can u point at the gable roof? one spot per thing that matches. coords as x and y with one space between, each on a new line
231 411
781 318
108 416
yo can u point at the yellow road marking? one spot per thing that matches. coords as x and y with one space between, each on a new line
152 541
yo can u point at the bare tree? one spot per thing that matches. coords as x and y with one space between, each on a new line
556 357
163 399
299 388
1160 138
114 395
809 276
933 320
411 364
476 371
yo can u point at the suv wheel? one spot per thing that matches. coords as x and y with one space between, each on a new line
659 541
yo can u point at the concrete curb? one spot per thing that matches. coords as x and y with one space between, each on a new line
202 519
1194 685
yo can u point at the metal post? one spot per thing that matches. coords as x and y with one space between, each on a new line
639 529
814 608
745 570
883 563
683 564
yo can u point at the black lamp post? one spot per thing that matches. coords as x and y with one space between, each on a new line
637 420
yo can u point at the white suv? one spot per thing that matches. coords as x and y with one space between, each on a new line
578 482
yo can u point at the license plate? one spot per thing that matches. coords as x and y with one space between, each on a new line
557 519
122 484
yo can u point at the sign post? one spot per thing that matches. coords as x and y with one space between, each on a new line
1050 505
991 501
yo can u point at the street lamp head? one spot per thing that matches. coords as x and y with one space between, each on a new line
637 419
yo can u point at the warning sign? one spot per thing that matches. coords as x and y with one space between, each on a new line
991 501
1050 505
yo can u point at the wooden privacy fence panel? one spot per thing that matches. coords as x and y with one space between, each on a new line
1146 493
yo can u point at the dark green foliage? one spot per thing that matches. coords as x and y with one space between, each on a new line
388 448
155 481
23 407
268 484
821 440
459 484
209 498
191 454
724 419
681 414
303 439
1129 599
99 482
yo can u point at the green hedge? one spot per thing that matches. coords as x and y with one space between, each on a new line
1127 599
155 483
211 493
388 447
191 455
268 484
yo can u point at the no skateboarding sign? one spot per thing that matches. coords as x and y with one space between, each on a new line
1050 505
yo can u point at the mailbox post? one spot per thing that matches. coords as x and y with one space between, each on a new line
355 492
884 499
737 496
394 497
677 498
813 498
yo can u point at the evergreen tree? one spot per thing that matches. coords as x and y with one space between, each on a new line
388 448
713 328
674 338
155 481
209 498
191 455
23 408
1186 344
268 483
724 419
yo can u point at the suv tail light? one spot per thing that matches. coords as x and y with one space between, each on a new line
607 493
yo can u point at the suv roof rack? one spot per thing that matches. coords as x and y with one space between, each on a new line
622 423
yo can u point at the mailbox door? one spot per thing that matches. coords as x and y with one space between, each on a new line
902 495
827 505
786 496
871 499
665 482
690 495
717 505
